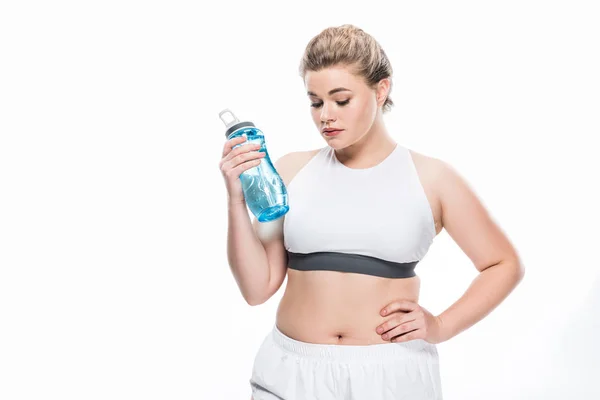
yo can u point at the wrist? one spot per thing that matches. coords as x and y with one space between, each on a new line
443 328
231 202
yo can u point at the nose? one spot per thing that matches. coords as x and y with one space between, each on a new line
326 115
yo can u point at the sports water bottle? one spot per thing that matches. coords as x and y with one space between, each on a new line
264 190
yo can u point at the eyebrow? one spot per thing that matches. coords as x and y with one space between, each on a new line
332 91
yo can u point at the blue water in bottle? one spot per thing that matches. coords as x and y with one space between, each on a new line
264 190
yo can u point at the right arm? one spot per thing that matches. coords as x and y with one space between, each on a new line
256 254
255 250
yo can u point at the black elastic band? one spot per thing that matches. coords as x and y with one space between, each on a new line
344 262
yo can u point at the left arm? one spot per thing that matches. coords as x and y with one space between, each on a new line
500 270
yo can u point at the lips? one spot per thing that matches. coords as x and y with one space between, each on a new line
331 131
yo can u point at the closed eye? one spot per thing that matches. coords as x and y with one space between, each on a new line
339 103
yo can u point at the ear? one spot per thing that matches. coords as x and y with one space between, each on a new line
383 89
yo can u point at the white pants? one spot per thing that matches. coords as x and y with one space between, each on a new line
287 369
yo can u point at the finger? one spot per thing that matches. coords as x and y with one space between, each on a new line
241 158
401 329
399 305
395 321
229 144
416 334
237 171
244 148
232 142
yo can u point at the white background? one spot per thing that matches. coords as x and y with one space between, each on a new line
114 282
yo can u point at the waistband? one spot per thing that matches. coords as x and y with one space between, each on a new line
345 353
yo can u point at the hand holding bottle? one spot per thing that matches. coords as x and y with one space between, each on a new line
234 162
249 174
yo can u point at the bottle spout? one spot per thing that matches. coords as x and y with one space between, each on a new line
232 122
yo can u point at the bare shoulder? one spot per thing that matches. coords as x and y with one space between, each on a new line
428 167
442 184
429 170
291 163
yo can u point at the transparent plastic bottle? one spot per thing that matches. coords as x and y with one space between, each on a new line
264 191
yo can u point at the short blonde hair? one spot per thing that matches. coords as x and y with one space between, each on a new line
351 46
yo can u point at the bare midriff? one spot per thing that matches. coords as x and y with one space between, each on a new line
331 307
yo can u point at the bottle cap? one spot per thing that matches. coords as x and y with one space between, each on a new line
234 124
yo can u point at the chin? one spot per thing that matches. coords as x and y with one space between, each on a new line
335 143
339 143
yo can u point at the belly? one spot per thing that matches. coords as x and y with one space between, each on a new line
331 307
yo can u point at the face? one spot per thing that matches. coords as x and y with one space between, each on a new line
342 100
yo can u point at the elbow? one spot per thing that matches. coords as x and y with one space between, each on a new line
512 269
262 295
256 300
518 270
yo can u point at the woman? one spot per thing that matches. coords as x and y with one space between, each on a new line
363 211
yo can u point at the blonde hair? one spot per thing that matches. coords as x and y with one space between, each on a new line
351 46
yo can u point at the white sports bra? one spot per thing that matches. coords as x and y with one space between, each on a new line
375 221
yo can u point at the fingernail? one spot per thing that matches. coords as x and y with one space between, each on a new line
379 330
384 311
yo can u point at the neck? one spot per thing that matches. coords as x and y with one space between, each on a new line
370 149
